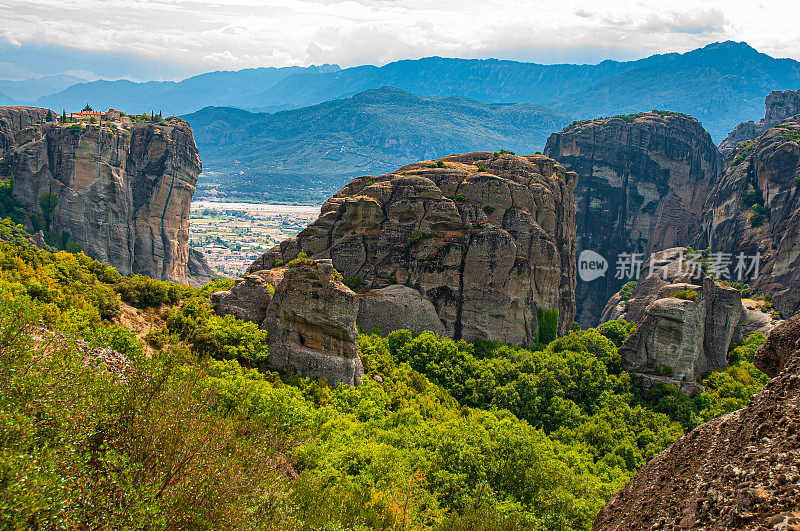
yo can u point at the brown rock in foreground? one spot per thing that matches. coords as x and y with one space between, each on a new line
488 239
642 182
310 317
124 189
739 471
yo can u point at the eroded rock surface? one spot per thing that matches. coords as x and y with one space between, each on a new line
739 471
310 317
397 307
643 180
124 192
779 105
685 337
755 209
487 239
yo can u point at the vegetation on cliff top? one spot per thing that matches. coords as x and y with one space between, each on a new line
194 433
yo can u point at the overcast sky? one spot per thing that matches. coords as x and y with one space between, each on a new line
172 39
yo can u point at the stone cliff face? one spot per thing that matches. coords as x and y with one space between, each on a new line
739 471
755 208
487 239
779 106
124 191
643 180
309 314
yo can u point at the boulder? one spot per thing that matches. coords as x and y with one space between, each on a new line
397 307
487 239
310 317
684 338
774 354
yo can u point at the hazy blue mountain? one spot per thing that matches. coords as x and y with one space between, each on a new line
29 90
6 100
170 97
721 85
308 153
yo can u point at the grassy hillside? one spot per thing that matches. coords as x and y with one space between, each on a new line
187 430
309 153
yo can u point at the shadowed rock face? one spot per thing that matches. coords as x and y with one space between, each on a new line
487 240
310 317
738 471
779 105
123 193
769 168
643 180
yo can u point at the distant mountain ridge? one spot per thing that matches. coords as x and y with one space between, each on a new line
171 97
29 90
721 85
310 152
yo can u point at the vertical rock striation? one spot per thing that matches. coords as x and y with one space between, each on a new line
124 189
643 181
755 208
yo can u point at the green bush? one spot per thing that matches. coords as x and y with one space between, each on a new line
686 294
488 209
461 198
627 290
300 260
666 370
356 283
547 331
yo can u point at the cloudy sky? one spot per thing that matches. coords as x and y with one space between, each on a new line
172 39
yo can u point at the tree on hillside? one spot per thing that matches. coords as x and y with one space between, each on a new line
49 117
63 116
48 203
87 108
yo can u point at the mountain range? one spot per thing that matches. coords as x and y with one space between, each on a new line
283 155
721 85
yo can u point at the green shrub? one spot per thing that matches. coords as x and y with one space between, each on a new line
356 283
686 294
461 198
488 209
666 370
482 169
547 331
627 290
300 260
416 237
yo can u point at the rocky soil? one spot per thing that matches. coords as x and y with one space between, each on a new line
487 239
643 180
124 192
739 471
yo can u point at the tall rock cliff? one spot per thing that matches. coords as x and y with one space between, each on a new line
487 238
643 180
738 471
779 105
124 189
755 208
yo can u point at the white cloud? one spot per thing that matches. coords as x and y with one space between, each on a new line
204 35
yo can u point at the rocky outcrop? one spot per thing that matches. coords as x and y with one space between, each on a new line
683 338
309 314
776 351
397 307
487 239
198 271
643 181
124 189
779 105
755 210
739 471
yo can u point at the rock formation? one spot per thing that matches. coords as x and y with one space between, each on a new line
755 209
643 180
779 106
309 314
397 307
683 338
670 268
739 471
124 189
487 238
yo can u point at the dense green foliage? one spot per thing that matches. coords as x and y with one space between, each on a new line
195 434
686 294
547 331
